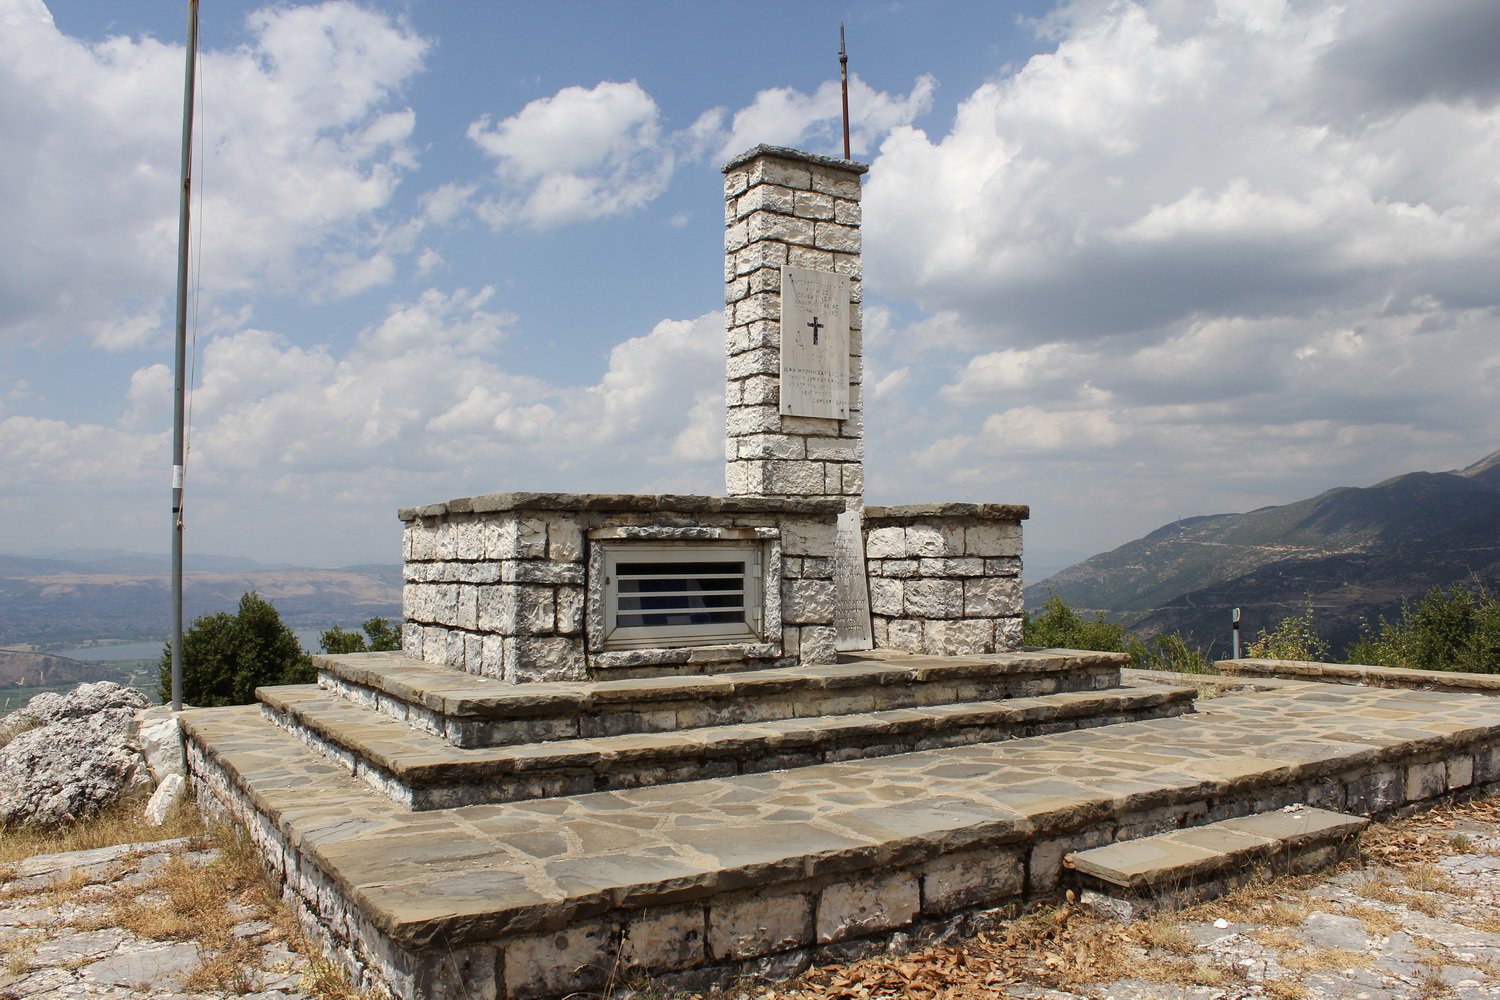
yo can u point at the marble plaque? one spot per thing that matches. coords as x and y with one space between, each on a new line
851 590
814 343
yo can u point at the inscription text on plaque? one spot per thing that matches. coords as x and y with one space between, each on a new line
814 343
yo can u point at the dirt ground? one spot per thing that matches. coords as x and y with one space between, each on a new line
1414 915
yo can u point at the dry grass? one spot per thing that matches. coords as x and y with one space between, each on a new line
1377 922
122 823
1430 878
183 900
1164 933
1324 960
1285 989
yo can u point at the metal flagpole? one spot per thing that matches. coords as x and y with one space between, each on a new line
844 80
179 388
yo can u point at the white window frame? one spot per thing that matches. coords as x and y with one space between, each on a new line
750 627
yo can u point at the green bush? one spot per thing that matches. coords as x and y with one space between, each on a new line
225 657
1295 637
380 636
1168 651
1453 629
1057 625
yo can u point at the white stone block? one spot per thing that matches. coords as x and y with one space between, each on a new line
834 449
840 185
768 170
760 390
782 229
836 238
736 236
759 925
808 538
865 906
811 258
847 212
770 446
511 537
934 598
740 421
753 308
993 538
992 597
762 361
544 658
797 479
468 540
766 198
664 938
886 597
813 205
885 543
564 539
818 644
807 602
934 540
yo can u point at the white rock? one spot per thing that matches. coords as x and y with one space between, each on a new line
161 742
167 794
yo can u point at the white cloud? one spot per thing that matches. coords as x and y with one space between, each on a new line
420 408
1247 251
784 116
580 154
303 151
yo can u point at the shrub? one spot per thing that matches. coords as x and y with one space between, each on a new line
1295 637
1453 629
225 657
1058 625
1168 651
380 636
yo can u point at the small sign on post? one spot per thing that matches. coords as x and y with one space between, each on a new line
814 343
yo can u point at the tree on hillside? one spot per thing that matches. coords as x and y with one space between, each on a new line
1295 637
1454 629
225 657
1061 627
380 636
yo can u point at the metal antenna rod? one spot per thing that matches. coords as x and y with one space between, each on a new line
179 390
844 80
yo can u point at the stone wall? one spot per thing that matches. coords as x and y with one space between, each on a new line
500 585
783 207
945 579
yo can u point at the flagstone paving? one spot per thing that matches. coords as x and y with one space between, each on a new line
491 873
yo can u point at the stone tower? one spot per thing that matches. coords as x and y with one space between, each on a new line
793 397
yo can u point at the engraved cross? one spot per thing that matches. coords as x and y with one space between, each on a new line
816 326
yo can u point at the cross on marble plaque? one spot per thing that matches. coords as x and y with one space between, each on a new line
814 369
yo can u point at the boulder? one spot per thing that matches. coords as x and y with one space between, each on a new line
78 759
160 739
167 795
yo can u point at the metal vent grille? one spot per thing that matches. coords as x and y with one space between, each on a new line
681 594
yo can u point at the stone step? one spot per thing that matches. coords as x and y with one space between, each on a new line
470 711
423 771
760 874
1181 867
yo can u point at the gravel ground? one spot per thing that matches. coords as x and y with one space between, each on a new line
1416 915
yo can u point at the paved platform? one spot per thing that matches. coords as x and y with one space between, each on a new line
769 871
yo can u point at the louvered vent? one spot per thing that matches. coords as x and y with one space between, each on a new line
681 594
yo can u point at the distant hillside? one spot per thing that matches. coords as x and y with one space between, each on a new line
128 596
21 669
1356 551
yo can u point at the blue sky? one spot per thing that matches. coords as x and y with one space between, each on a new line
1126 262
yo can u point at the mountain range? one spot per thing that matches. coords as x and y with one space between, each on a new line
76 597
1353 553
